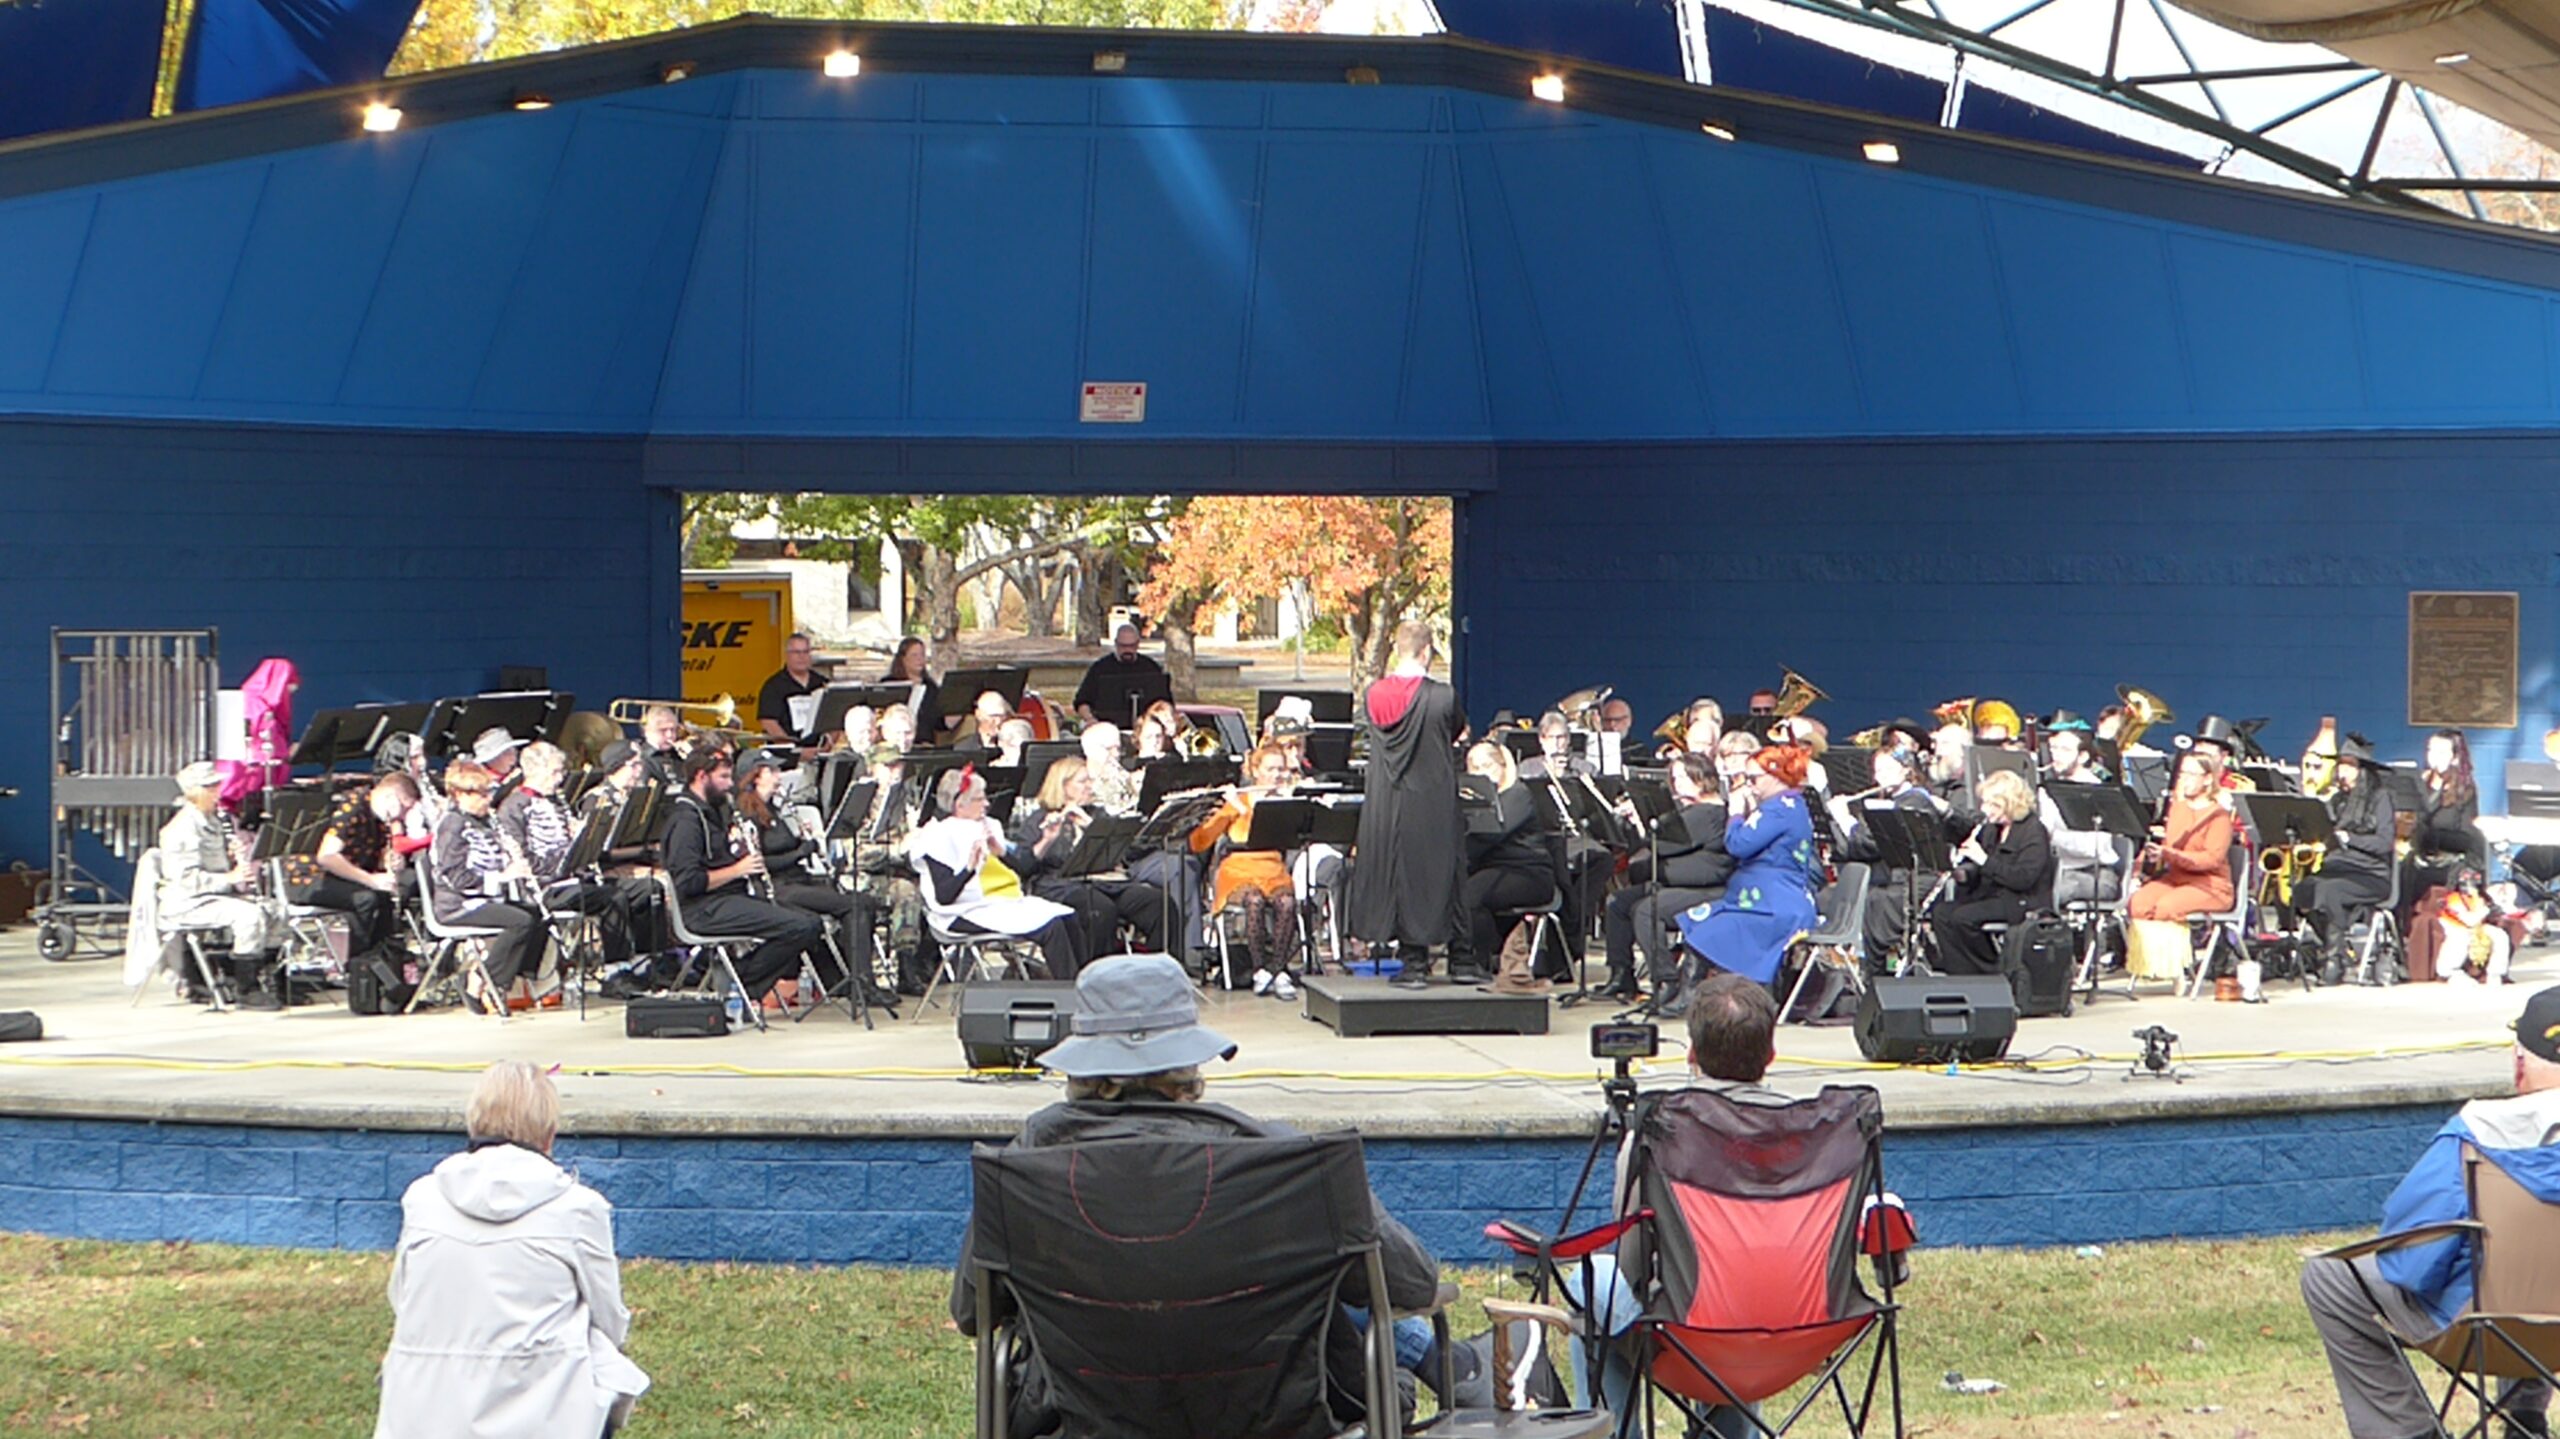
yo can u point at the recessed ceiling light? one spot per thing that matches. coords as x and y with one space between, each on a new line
670 73
2458 57
843 65
380 118
532 100
1883 152
1110 62
1715 131
1548 87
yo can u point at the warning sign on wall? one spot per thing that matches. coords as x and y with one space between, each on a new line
1113 402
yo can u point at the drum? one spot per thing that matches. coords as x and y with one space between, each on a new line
2157 949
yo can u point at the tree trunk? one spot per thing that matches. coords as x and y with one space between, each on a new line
1181 654
937 577
1097 576
1039 606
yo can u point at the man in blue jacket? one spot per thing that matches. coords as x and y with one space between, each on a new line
2420 1289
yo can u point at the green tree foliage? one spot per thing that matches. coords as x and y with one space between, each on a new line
462 32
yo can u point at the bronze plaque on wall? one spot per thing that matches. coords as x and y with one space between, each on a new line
2462 659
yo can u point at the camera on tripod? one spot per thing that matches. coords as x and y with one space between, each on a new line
1626 1040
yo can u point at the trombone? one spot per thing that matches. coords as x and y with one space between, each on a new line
722 710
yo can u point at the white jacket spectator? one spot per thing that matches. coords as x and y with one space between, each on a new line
506 1294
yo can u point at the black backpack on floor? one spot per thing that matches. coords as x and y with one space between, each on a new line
2039 956
376 985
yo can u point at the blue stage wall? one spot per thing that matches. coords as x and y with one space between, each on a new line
2264 576
886 1201
389 566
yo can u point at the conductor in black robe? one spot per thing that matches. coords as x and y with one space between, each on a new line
1411 861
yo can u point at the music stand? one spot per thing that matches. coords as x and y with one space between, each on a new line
1915 842
1337 821
2282 819
337 736
1980 763
636 820
1039 755
295 820
1851 768
2101 808
1140 691
838 700
851 809
2147 775
2271 779
587 851
1329 747
838 772
1169 823
1323 706
1102 848
923 772
1523 744
456 720
1171 776
961 688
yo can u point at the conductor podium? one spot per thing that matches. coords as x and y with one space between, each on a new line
1357 1008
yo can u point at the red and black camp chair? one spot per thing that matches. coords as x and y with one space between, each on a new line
1741 1247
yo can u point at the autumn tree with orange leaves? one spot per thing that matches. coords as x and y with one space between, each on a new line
1368 563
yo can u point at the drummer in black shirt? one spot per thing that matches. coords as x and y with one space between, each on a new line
1118 679
787 706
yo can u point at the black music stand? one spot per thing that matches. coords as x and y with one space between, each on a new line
961 688
1172 776
838 772
1913 841
1850 768
1523 744
639 820
838 700
1658 817
1039 755
851 809
1168 826
2106 808
453 722
922 771
1329 747
1102 848
1981 762
2147 775
338 736
1323 706
1140 691
295 820
2282 819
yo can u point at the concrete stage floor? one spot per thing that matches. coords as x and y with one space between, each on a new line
319 1066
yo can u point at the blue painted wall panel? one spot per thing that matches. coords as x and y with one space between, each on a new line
1444 390
2457 349
296 305
1333 276
1000 258
160 257
1173 220
2095 319
40 246
703 376
2271 332
827 317
1922 291
477 204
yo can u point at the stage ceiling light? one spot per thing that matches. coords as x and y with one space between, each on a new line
1549 87
380 118
843 65
532 100
1882 152
1714 131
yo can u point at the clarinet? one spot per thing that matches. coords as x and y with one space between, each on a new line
236 849
742 833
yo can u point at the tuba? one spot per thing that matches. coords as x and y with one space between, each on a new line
1955 712
1581 709
1796 694
1200 742
2142 710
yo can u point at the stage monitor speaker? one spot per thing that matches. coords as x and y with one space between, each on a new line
1006 1025
1968 1017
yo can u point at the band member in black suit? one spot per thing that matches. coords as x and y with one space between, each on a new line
1681 866
713 875
2355 875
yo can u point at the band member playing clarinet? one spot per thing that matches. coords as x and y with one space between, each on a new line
2191 863
970 887
206 877
787 852
1045 835
712 871
1255 883
2004 871
1404 887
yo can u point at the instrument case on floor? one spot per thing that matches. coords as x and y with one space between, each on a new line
689 1016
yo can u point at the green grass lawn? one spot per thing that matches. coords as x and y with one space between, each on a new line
2197 1341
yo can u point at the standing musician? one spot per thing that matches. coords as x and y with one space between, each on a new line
1047 831
1682 865
716 879
1768 900
788 852
970 887
2089 865
2002 880
907 667
787 706
1114 681
474 874
206 877
1255 883
1890 891
1509 867
2355 875
2191 862
356 870
1404 889
540 827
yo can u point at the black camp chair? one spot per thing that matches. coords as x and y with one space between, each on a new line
1185 1288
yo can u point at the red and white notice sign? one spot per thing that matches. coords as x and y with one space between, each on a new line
1113 402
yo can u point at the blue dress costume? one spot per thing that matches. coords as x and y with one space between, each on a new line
1769 900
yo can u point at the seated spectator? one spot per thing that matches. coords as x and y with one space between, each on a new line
506 1298
2420 1289
1733 1037
1133 1071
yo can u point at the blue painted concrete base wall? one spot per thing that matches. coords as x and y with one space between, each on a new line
2253 576
834 1201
